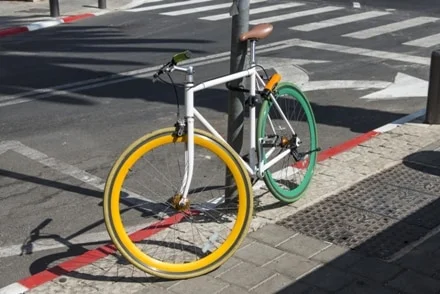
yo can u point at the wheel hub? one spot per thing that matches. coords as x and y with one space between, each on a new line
175 202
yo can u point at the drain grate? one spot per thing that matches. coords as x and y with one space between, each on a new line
379 216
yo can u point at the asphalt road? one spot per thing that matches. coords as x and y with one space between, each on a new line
66 129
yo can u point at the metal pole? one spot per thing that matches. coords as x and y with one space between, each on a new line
54 8
102 4
433 103
240 24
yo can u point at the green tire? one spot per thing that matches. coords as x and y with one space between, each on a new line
291 189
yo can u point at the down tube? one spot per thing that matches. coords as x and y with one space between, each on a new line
213 131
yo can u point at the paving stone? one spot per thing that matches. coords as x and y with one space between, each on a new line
301 288
272 285
153 290
202 284
375 269
272 234
232 289
166 284
124 287
48 288
292 265
246 275
231 262
366 287
328 278
303 245
258 253
423 261
415 283
337 256
75 285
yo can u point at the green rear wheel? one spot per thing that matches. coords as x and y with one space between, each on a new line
289 177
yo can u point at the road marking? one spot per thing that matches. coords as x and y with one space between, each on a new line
401 121
68 170
136 3
343 84
296 14
254 10
204 8
389 28
60 242
155 7
338 21
67 89
403 86
365 52
425 42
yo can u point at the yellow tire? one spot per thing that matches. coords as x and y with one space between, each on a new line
141 214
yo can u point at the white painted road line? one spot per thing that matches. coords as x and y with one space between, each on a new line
48 244
254 10
136 3
389 28
161 6
338 21
425 42
67 89
365 52
296 14
401 121
203 8
67 169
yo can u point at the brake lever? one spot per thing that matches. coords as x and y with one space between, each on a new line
160 71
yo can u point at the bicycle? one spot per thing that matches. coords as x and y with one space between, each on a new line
180 236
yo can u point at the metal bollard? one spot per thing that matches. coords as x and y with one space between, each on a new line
54 8
102 4
433 103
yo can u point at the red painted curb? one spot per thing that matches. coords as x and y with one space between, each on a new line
350 144
66 19
73 18
91 256
12 31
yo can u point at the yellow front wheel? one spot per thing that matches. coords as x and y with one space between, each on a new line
142 212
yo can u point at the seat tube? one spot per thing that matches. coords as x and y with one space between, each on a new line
189 118
252 110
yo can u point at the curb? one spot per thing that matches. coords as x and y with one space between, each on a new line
46 24
93 255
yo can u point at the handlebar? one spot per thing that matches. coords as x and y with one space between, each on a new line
167 67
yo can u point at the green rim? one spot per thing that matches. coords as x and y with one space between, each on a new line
278 191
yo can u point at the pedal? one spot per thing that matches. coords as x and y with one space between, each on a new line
269 141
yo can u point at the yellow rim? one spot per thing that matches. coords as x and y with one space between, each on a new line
132 155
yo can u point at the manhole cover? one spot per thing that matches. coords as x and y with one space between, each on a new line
379 216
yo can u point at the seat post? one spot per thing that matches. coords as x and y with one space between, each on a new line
253 49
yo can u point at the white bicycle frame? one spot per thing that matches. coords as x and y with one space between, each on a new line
256 81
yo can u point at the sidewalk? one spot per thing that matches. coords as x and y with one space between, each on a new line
19 13
367 224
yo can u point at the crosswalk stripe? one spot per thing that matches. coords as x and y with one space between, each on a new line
204 8
255 10
338 21
364 52
389 28
180 3
425 42
296 14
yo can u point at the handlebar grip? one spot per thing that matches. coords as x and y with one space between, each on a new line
179 57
